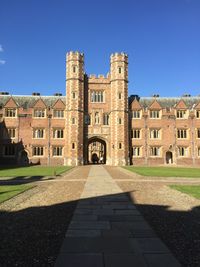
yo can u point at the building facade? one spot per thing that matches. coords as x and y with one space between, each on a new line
98 123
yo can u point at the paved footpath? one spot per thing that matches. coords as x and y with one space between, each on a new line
108 231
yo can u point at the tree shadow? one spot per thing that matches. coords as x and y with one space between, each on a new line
33 236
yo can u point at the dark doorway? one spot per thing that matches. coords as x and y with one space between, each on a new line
169 157
96 151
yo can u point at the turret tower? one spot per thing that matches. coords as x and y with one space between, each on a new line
74 108
119 109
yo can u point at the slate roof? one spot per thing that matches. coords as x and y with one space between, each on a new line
49 101
166 102
29 101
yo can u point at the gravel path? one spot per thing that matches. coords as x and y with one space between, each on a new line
33 224
174 216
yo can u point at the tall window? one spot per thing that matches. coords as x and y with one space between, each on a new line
154 114
120 145
11 132
120 70
136 114
120 120
97 96
96 118
38 133
136 150
58 113
73 95
38 151
182 151
74 69
10 112
73 120
155 151
198 114
181 133
105 119
39 113
57 150
198 133
198 151
154 133
58 133
181 114
120 95
136 133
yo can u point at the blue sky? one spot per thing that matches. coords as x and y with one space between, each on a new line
161 37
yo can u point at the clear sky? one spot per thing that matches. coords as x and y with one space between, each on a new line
161 37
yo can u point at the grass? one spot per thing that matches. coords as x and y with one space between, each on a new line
32 171
9 191
192 190
166 171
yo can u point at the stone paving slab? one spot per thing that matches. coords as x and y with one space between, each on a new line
107 230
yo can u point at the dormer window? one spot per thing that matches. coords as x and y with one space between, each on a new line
154 114
39 113
181 114
58 113
10 112
136 114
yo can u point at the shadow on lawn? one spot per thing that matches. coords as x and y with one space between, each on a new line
24 180
33 236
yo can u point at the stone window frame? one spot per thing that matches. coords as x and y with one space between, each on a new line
198 151
197 113
58 131
155 151
35 110
10 148
183 151
120 145
134 112
198 133
153 112
97 96
10 112
57 149
182 133
137 149
158 130
136 130
9 133
59 110
37 131
106 119
38 151
181 114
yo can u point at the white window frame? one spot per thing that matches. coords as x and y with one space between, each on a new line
136 151
182 133
183 152
40 151
10 113
136 133
155 151
39 112
136 114
154 114
181 114
154 133
38 133
58 113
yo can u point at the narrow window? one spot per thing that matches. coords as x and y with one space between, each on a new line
73 145
120 95
120 145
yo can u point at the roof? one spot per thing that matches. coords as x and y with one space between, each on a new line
29 101
166 102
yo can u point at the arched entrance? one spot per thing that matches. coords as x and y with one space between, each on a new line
96 151
169 157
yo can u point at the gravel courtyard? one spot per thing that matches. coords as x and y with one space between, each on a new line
33 224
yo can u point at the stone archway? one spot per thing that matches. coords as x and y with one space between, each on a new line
23 158
169 157
96 151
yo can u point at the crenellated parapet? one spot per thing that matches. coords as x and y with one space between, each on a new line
75 56
115 57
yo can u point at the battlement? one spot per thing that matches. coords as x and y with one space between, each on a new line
119 57
74 55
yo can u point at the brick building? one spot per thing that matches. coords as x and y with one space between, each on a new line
98 122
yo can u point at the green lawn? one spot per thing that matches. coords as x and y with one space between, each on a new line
9 191
32 171
166 171
192 190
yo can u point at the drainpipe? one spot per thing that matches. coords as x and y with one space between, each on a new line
193 139
49 139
